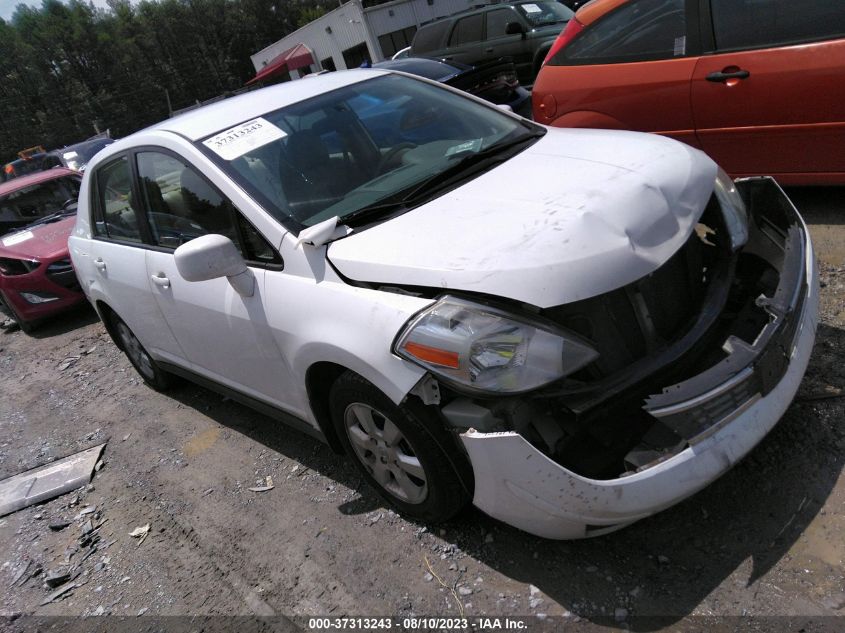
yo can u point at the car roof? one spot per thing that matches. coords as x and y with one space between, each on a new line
592 11
204 121
35 178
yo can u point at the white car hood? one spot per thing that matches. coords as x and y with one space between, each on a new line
577 214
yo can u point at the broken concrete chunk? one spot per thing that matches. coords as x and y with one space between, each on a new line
140 533
268 485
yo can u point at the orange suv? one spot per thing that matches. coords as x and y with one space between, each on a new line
757 84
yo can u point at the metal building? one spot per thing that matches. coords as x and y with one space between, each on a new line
349 35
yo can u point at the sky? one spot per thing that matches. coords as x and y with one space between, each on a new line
7 7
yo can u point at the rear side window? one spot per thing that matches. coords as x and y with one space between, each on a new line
467 30
637 31
739 24
430 37
116 219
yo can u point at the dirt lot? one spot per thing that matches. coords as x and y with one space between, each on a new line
765 540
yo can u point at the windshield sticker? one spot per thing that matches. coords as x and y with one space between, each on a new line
237 141
531 8
69 155
17 238
680 45
469 146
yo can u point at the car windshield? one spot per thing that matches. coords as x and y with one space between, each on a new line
542 13
38 200
349 151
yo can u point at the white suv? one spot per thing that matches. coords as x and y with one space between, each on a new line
573 328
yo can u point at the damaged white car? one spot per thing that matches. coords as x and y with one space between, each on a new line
574 329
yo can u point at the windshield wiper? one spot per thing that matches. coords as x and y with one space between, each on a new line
53 217
466 165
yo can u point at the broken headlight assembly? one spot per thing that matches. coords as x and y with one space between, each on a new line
480 348
733 209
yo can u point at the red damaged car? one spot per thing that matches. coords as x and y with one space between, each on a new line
37 278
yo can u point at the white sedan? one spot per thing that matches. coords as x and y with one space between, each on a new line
574 329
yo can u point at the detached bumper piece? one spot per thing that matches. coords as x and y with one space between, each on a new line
718 408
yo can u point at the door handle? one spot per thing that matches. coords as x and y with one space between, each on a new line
100 264
161 280
720 76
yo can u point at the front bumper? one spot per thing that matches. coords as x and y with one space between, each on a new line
62 285
518 484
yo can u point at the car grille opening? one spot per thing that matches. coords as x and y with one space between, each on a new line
61 273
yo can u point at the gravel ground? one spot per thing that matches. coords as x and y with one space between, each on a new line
764 540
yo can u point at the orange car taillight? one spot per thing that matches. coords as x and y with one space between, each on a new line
573 28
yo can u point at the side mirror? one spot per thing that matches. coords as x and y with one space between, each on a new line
514 28
213 256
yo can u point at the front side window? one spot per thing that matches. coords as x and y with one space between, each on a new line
638 31
353 150
739 24
181 205
497 21
116 219
467 30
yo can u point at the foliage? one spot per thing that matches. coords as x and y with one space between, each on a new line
71 69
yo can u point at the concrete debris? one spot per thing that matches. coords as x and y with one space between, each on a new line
464 590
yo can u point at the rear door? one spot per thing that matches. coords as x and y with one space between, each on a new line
771 99
465 41
630 69
117 255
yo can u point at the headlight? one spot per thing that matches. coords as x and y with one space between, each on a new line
733 209
486 349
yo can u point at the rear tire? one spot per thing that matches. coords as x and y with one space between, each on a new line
143 363
403 451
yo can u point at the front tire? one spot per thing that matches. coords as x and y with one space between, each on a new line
143 363
403 451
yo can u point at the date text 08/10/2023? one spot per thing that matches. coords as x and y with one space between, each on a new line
417 624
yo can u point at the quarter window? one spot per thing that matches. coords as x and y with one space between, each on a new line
467 30
638 31
739 24
116 219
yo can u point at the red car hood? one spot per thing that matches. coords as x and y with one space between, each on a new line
46 240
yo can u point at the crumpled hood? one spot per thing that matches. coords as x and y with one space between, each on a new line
577 214
45 240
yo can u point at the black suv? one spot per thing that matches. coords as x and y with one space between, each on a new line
523 31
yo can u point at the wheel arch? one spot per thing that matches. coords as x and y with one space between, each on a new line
107 316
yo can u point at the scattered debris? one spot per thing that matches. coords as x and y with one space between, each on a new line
60 592
126 437
207 492
443 584
68 362
141 533
58 526
464 590
20 574
534 599
268 486
45 482
99 466
57 577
